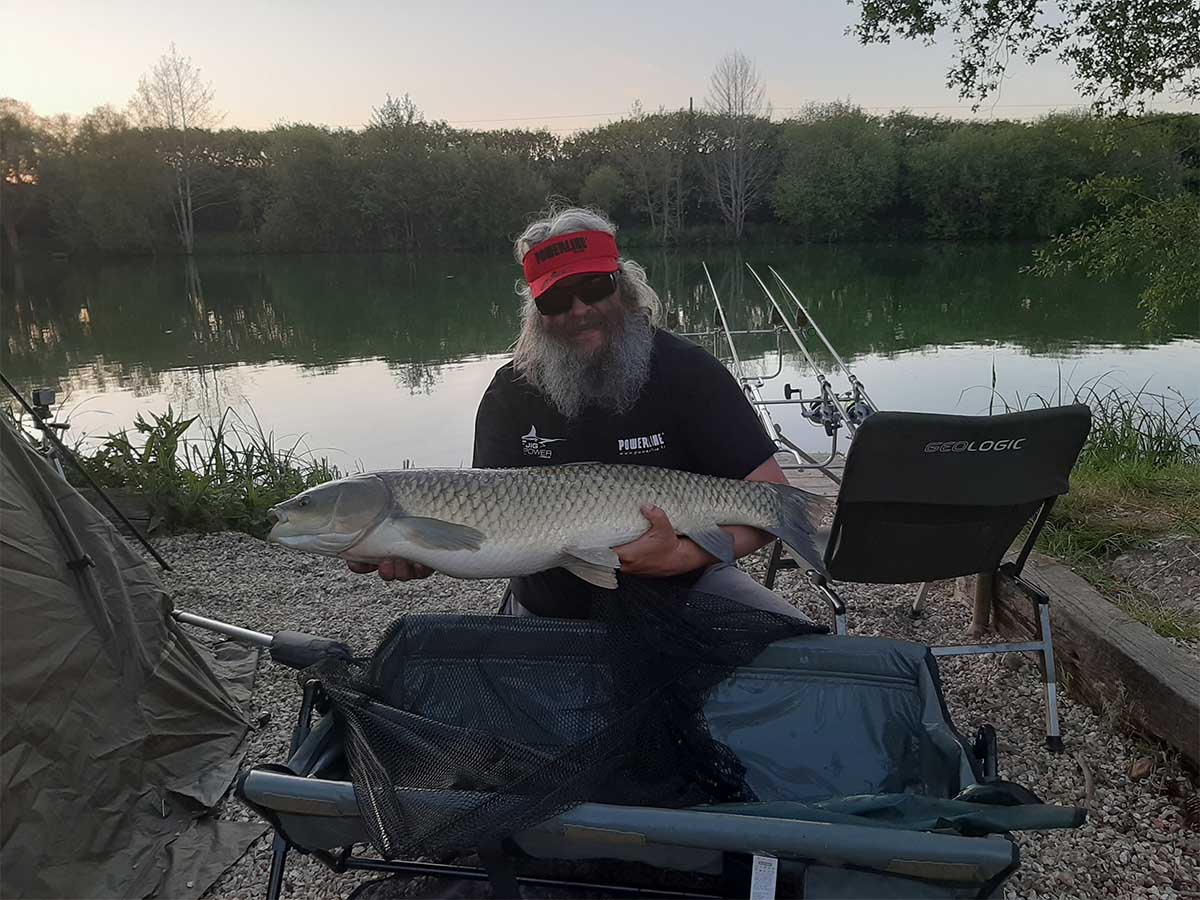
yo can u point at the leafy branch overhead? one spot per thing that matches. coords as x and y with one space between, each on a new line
1155 238
1121 52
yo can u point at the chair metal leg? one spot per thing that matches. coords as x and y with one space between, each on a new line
279 849
918 603
279 852
503 609
1043 646
773 565
835 602
1054 741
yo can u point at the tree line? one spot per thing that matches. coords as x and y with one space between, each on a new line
833 173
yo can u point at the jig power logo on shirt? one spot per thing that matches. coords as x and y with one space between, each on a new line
645 444
532 445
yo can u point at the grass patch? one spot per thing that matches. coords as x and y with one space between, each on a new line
1117 507
1137 480
224 479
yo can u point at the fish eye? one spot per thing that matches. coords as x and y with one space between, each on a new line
304 502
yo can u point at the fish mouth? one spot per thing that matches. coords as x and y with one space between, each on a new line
281 534
312 542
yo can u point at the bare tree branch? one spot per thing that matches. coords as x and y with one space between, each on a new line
173 98
738 163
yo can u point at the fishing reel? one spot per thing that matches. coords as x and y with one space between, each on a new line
820 410
858 407
857 410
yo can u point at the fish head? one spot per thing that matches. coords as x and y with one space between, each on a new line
331 518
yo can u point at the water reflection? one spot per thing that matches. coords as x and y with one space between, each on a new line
201 333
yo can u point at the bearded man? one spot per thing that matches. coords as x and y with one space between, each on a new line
594 379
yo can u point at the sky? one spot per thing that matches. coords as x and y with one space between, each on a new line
563 65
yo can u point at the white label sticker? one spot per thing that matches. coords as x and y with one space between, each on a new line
762 878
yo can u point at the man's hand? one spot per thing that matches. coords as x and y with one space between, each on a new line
392 569
658 552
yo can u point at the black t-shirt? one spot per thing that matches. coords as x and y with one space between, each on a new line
692 415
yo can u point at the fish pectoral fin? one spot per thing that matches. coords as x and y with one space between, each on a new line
597 575
437 534
595 565
714 540
605 557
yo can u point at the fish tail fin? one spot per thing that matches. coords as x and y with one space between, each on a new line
800 513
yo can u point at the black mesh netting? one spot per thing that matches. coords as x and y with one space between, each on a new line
463 728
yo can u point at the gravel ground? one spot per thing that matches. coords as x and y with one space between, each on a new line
1135 844
1166 575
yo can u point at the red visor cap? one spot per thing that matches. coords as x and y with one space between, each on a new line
577 253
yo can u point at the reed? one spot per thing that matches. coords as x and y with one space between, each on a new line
225 478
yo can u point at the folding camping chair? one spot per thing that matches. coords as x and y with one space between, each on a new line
930 497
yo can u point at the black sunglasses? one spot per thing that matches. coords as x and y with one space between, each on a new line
558 299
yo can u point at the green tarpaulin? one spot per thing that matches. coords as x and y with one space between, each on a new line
117 733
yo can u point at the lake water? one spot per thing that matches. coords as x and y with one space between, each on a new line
374 359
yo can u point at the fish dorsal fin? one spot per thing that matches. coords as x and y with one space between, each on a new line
595 565
437 534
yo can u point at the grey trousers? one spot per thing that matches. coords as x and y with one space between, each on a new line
721 580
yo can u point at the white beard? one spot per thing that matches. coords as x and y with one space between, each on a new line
613 379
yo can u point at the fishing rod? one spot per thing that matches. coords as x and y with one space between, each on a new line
860 403
752 386
47 429
858 407
828 409
713 332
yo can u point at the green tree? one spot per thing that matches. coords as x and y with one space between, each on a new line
603 189
311 189
18 169
840 169
105 186
650 150
395 179
1153 237
980 181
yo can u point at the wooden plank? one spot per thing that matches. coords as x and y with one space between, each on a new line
1107 659
812 480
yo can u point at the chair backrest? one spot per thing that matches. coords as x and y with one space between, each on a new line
926 497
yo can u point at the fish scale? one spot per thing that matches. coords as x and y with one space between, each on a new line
488 523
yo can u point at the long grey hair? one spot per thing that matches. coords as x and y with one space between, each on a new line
570 383
631 277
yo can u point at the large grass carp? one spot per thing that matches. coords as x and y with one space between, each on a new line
493 523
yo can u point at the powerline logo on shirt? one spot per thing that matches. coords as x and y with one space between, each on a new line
532 445
645 444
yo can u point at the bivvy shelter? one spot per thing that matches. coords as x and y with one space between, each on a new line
118 733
